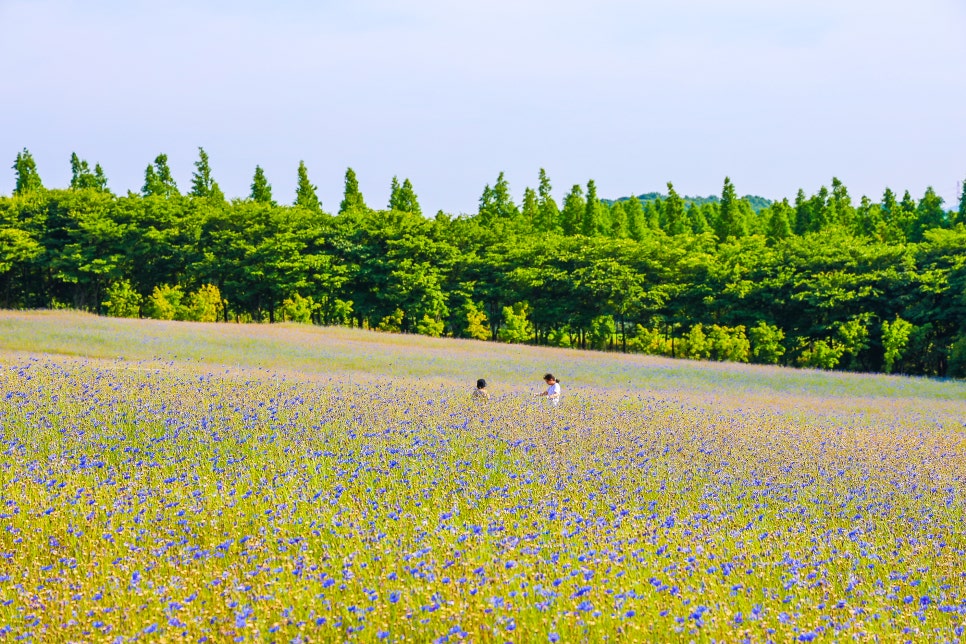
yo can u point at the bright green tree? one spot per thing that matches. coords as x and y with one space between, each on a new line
204 304
100 180
821 354
392 323
868 219
634 213
305 193
729 344
698 217
28 179
929 214
618 221
572 214
593 223
802 223
841 211
203 185
548 220
530 210
516 326
779 225
165 303
158 181
766 343
298 309
496 203
352 197
696 344
122 300
854 335
403 197
430 326
676 222
895 338
82 178
731 221
476 326
261 188
602 331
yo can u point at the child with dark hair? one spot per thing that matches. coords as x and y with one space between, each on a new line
480 393
553 390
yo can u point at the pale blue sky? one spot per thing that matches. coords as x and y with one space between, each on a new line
777 95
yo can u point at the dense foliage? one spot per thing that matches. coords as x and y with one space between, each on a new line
818 282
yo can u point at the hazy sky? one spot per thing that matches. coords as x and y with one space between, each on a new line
777 95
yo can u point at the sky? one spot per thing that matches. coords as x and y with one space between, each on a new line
777 96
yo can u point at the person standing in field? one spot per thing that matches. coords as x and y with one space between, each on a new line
553 390
480 393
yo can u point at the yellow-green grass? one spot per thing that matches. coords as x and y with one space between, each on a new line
175 482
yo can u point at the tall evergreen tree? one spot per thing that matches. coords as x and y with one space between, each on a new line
731 221
28 179
352 196
818 210
403 197
158 180
496 204
305 193
572 214
634 213
868 219
531 209
929 214
502 200
840 205
395 199
698 218
653 212
100 180
81 176
261 188
486 209
618 221
961 213
549 213
675 221
779 221
592 223
906 215
889 203
803 218
203 184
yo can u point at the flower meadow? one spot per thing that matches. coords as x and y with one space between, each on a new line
180 501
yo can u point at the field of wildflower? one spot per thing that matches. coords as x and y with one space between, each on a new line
168 481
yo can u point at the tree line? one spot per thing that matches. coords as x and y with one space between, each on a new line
819 281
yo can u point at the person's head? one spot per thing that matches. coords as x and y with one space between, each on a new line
481 384
549 379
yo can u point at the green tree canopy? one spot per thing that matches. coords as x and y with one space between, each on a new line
81 177
28 179
261 188
203 184
158 181
352 197
305 192
403 197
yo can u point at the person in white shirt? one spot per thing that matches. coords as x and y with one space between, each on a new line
553 390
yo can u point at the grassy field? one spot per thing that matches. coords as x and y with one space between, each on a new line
170 481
